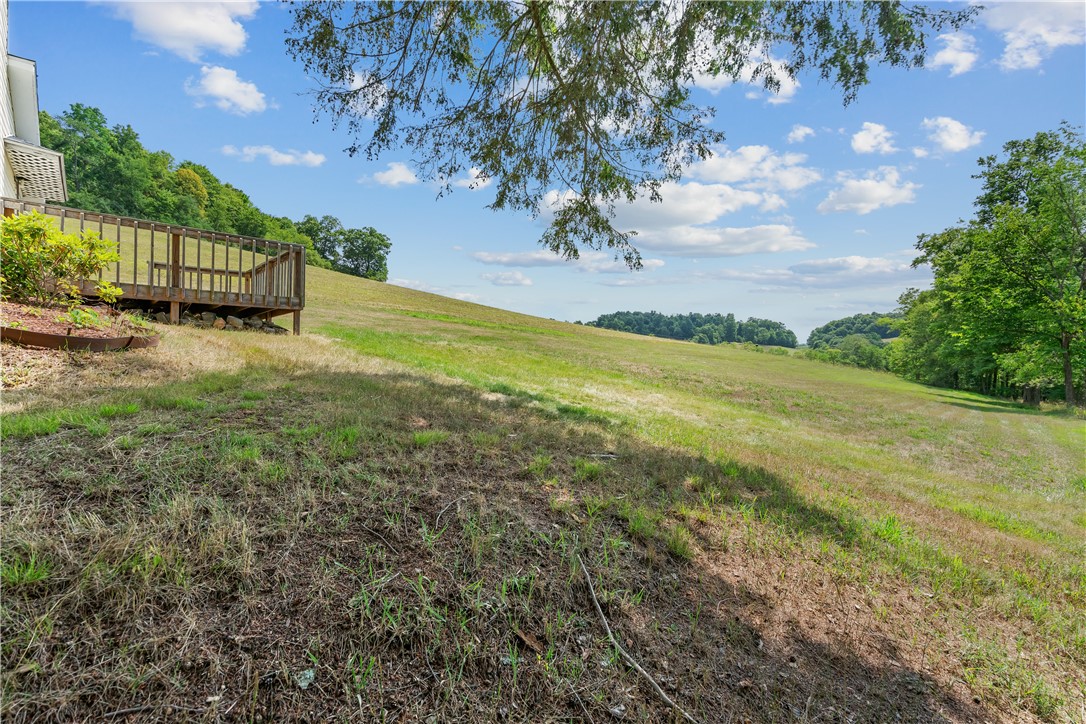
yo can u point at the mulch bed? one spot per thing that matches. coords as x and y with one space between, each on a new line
49 320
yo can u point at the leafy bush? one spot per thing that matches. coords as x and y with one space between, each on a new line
42 264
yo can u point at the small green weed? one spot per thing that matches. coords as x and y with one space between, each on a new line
170 402
540 465
111 411
889 529
680 543
484 440
126 442
641 523
585 470
20 572
426 438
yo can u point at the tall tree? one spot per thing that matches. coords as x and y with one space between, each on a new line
364 253
590 97
1016 274
361 252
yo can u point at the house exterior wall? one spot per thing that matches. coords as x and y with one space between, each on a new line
7 118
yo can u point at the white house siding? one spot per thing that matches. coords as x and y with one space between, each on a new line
7 119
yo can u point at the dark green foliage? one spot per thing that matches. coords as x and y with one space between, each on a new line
874 326
1008 311
856 341
700 328
361 252
110 171
855 350
593 97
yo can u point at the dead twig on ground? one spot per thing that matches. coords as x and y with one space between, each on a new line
581 702
438 521
618 647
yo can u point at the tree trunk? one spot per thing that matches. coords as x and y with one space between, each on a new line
1031 395
1068 376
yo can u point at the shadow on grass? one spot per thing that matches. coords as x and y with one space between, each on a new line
472 610
995 404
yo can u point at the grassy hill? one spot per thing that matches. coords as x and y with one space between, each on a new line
385 519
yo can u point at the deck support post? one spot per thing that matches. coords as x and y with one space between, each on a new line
297 322
175 312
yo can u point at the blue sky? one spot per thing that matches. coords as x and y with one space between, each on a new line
808 212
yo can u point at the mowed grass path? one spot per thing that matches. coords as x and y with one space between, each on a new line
904 531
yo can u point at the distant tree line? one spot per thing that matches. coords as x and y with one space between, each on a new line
109 171
700 328
858 341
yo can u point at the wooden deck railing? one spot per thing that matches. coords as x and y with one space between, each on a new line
186 267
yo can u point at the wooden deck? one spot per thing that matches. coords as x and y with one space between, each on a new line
170 268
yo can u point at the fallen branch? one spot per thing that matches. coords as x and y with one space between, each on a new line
618 647
438 521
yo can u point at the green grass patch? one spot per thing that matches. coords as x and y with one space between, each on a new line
680 543
426 438
19 571
123 410
585 470
29 424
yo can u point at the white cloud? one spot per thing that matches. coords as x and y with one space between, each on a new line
228 92
595 262
838 273
959 53
785 94
950 135
1033 30
846 272
878 189
800 133
873 138
189 28
701 241
397 174
684 222
474 180
276 157
507 279
920 152
519 258
756 167
688 203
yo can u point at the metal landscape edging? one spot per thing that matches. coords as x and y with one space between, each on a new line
63 341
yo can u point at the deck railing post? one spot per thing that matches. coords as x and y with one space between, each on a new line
299 275
175 263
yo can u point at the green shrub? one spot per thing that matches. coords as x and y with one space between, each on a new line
45 265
